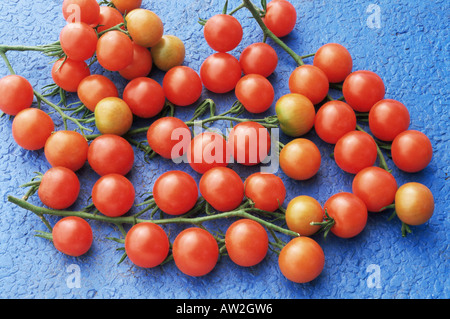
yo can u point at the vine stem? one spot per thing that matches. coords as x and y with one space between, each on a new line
380 155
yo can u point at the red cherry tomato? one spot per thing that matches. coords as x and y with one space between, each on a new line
333 120
182 85
72 236
354 151
223 32
195 252
247 242
78 41
220 72
388 118
140 66
109 17
335 61
255 92
301 212
414 203
249 143
280 17
300 159
59 188
175 192
144 96
66 148
114 50
349 214
68 74
309 81
295 113
376 187
147 245
16 94
125 6
110 153
31 128
259 58
411 151
265 190
207 150
94 88
301 260
87 11
222 188
362 89
113 195
169 137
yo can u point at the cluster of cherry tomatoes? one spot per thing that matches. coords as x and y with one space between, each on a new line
132 48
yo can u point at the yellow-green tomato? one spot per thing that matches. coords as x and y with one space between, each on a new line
168 52
113 116
296 114
414 203
301 212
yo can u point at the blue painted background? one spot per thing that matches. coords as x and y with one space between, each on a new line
410 51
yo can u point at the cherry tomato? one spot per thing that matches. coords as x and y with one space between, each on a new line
348 212
144 26
295 114
207 150
255 92
280 17
375 186
113 116
66 148
411 151
333 120
414 203
59 188
300 159
94 88
175 192
195 252
301 260
16 94
354 151
109 17
169 137
249 143
147 245
113 195
265 190
78 41
87 11
301 212
72 236
309 81
168 52
220 72
140 66
247 242
335 61
31 128
114 50
68 74
388 118
362 89
144 96
223 32
125 6
259 58
109 153
182 85
222 188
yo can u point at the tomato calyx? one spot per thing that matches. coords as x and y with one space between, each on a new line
325 225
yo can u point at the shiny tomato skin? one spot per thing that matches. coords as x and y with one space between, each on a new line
295 113
207 150
333 120
411 151
280 17
220 72
94 88
195 252
247 242
140 66
376 187
362 89
113 116
169 137
414 203
69 75
222 188
309 81
259 58
302 260
59 188
31 128
147 245
267 191
255 92
144 96
300 159
175 192
87 11
335 61
78 41
388 118
144 26
182 85
114 50
125 6
168 52
223 32
301 212
16 94
109 17
72 236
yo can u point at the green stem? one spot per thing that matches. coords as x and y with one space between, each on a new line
383 163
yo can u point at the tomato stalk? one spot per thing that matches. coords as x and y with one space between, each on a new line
383 163
326 224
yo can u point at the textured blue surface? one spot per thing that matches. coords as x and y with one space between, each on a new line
409 50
